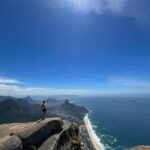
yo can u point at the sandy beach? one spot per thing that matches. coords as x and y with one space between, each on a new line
96 143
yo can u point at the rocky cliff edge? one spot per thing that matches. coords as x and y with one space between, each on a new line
48 134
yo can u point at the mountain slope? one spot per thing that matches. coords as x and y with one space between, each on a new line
18 110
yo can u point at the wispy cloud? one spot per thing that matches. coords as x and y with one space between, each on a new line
114 85
138 10
9 81
120 86
20 91
124 81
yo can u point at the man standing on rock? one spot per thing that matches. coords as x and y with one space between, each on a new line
43 109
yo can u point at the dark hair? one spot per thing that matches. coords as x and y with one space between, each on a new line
43 102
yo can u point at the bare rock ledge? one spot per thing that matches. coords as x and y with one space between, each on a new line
49 134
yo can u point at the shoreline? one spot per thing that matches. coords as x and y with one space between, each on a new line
92 135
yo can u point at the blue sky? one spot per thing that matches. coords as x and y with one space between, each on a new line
82 47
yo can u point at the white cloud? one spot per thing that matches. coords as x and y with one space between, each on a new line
123 87
138 10
9 81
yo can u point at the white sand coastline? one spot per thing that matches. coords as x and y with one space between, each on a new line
94 139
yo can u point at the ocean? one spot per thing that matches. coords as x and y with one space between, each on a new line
119 122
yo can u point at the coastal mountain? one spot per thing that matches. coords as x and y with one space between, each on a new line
2 98
70 111
18 110
26 109
31 100
53 101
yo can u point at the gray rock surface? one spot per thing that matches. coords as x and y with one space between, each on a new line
49 134
39 132
62 140
10 143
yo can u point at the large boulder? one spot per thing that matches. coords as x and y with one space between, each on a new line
29 134
39 132
63 140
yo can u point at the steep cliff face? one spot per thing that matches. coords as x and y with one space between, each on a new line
49 134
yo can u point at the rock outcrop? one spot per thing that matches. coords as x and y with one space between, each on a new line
49 134
140 148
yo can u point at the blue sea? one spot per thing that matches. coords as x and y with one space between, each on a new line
119 122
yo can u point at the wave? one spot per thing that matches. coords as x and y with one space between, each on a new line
94 137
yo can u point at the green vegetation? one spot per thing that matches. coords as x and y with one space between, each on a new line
18 110
76 144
